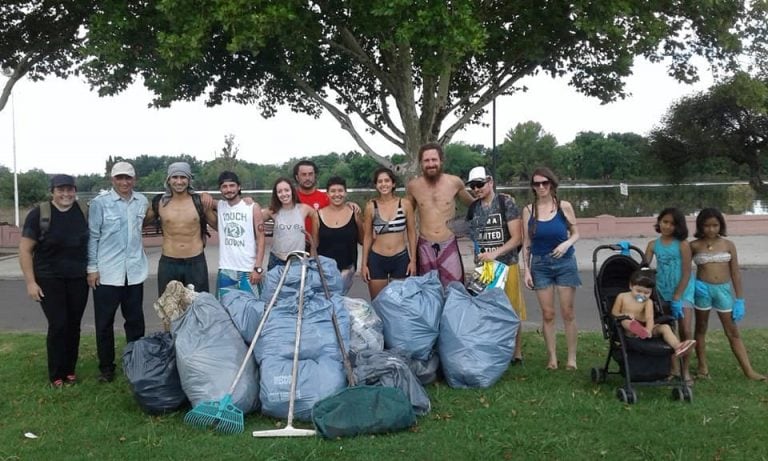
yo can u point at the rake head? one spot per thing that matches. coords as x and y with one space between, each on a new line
222 416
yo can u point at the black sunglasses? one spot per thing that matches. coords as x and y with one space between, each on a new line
477 184
540 183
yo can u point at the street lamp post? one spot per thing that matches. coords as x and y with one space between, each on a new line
8 73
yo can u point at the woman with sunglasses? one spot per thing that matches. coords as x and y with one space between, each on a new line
549 232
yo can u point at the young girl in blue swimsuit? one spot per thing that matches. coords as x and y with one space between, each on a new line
717 281
674 283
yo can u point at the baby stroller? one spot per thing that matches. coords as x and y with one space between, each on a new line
641 362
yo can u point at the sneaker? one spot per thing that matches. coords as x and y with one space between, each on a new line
57 384
106 377
684 347
70 379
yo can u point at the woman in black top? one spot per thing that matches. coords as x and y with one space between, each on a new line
340 231
53 253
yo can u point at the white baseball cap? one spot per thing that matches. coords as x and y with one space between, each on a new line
123 168
477 174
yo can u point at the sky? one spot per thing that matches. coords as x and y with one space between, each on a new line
64 127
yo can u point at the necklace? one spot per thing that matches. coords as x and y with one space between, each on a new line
710 244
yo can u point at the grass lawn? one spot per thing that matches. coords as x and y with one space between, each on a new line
530 413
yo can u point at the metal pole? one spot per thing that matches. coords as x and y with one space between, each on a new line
493 139
15 170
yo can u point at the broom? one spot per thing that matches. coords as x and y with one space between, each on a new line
223 415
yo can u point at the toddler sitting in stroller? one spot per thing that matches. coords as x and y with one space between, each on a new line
634 310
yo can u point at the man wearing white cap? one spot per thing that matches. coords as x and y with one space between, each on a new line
496 230
183 215
117 264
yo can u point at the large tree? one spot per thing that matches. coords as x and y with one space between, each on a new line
40 38
729 121
411 71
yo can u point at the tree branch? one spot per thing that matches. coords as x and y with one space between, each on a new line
19 71
342 118
351 104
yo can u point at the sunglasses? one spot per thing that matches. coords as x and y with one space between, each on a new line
477 184
544 183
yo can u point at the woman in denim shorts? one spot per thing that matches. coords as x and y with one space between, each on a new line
549 232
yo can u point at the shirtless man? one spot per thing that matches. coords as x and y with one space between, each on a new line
182 258
433 195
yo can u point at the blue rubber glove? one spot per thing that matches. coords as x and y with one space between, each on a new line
677 308
738 310
701 289
624 245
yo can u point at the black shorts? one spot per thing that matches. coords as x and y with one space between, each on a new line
386 267
192 270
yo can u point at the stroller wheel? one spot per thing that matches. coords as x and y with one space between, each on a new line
598 375
626 395
687 393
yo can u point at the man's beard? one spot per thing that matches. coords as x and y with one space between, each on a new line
432 176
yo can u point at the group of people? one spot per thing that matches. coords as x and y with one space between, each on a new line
716 285
67 248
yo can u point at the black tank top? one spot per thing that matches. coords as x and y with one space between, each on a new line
339 243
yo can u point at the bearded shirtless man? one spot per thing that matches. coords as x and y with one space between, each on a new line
182 258
433 195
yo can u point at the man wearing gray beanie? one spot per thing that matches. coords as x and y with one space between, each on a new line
183 215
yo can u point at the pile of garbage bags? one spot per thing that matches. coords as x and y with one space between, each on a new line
412 331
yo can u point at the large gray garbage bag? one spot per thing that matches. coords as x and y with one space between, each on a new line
477 336
245 309
313 282
209 351
321 370
367 327
410 310
149 363
388 368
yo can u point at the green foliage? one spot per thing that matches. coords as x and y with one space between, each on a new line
435 65
460 158
729 122
525 147
41 38
33 187
619 156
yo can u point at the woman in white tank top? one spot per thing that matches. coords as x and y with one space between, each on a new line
289 216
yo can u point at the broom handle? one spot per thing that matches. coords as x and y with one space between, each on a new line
262 322
339 340
297 343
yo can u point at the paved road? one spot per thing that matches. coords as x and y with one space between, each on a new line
19 313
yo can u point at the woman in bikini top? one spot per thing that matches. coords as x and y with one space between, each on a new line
394 225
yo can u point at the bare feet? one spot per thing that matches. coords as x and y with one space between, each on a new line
756 376
571 367
552 366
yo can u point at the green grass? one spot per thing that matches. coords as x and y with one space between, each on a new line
530 413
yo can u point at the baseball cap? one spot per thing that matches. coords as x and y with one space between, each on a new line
123 168
62 180
228 176
477 174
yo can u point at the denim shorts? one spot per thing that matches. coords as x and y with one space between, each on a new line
547 271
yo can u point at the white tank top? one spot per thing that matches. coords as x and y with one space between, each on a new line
288 234
237 241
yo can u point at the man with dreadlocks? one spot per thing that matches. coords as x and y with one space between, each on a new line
183 215
549 232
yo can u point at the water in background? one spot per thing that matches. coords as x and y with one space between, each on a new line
590 200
